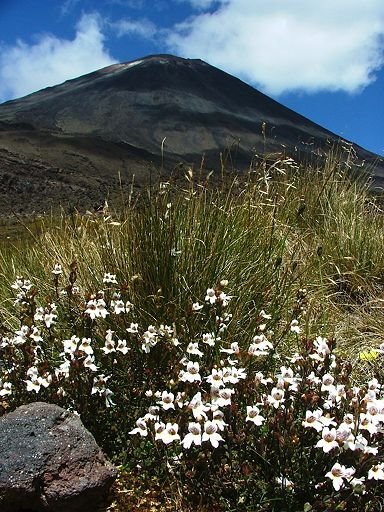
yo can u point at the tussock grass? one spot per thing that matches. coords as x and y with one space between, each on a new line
281 230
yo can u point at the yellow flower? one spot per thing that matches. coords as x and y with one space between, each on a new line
368 355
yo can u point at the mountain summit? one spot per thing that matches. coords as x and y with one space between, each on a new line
76 137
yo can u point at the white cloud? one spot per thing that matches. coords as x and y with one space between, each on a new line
142 28
288 45
27 68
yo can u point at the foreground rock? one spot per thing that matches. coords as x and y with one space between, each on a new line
49 462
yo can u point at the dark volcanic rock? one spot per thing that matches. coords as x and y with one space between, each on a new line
50 462
160 109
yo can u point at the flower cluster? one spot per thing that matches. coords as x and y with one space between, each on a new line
78 357
347 424
218 393
70 356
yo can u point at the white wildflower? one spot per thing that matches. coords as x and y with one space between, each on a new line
191 374
152 414
260 346
99 384
209 339
221 397
328 441
260 378
167 400
193 436
57 269
193 349
199 409
216 378
233 375
294 327
109 278
22 284
224 298
218 418
233 349
96 308
109 344
150 339
253 415
85 346
312 420
376 472
70 346
89 362
170 433
276 398
210 296
327 383
338 473
366 423
122 346
21 335
5 388
141 428
210 434
133 328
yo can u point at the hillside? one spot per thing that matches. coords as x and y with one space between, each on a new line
75 143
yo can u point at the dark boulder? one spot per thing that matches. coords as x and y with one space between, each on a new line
49 462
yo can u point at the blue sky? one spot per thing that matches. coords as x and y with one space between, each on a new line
324 59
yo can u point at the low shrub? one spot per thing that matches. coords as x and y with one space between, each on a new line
231 419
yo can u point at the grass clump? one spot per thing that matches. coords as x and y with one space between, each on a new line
224 344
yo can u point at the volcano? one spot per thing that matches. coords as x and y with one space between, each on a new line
74 144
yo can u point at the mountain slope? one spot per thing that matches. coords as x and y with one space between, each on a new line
159 109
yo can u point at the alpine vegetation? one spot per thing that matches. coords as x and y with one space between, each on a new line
220 346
